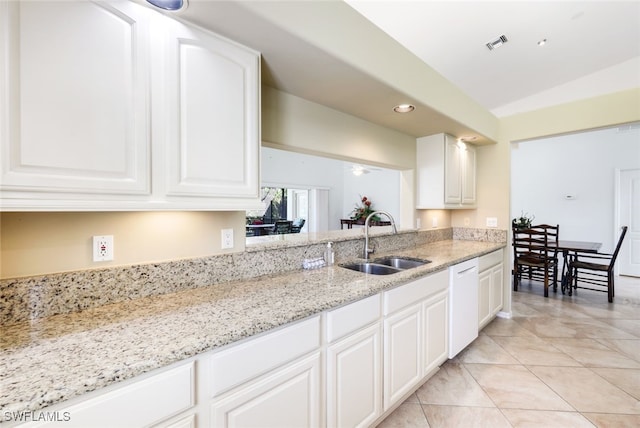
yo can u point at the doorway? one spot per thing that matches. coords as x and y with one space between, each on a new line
298 207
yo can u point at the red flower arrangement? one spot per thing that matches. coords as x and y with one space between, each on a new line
362 210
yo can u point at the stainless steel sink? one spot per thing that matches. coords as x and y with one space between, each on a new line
386 265
372 268
401 262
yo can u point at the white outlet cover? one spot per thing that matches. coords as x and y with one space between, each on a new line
492 222
226 236
103 248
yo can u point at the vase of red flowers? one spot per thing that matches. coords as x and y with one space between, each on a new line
363 209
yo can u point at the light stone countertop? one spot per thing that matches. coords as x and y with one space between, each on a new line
52 359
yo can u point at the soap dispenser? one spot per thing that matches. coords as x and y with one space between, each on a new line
329 254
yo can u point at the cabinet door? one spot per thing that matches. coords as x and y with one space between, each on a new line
484 297
452 170
436 331
138 403
213 126
76 90
288 397
468 177
354 379
497 281
402 343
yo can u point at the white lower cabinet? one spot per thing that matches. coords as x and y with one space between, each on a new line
287 397
402 342
354 364
354 379
435 312
145 401
272 380
490 286
416 331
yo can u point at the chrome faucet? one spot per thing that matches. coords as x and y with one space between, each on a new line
368 250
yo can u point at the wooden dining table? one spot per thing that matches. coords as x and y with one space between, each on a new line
571 249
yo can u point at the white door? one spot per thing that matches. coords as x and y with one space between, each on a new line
318 210
629 215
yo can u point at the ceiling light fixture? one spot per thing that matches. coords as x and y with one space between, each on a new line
404 108
170 5
542 42
358 170
497 42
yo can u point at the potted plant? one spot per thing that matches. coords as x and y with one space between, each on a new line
362 211
523 222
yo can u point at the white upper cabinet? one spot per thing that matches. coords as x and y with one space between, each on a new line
212 126
75 101
446 173
113 106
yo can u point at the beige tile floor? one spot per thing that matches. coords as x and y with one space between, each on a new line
559 362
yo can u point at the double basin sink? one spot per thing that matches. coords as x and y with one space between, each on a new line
386 265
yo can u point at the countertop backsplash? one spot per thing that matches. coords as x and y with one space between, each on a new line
23 299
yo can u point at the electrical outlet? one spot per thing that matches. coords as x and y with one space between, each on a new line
226 238
103 248
434 222
492 222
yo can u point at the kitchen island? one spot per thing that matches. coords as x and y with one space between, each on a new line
49 360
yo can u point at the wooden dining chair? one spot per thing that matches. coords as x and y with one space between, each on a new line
535 251
595 271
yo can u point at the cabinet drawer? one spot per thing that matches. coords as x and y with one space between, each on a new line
415 291
254 357
491 259
352 317
139 404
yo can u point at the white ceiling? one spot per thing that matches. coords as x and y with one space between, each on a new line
594 41
593 48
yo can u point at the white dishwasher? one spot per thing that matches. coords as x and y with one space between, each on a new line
463 305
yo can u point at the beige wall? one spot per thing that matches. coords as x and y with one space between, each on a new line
292 123
38 243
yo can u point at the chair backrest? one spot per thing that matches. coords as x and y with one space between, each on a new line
617 250
282 226
297 225
536 241
552 232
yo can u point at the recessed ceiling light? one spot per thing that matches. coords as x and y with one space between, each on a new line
542 42
404 108
497 42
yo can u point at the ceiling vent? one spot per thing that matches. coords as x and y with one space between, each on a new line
496 43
